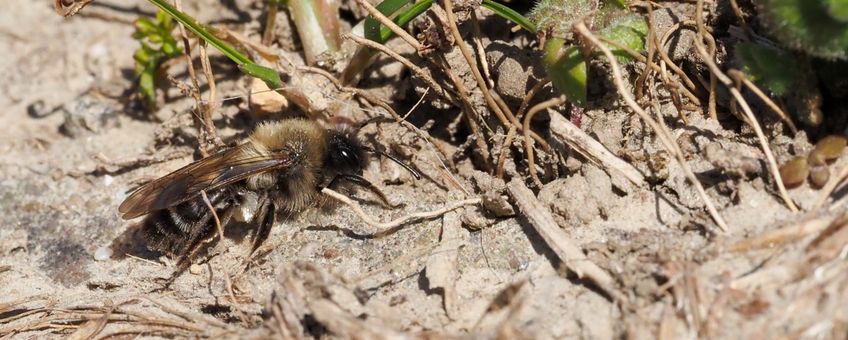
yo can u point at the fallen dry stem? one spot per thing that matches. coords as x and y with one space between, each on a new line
202 129
664 136
481 51
384 228
529 97
406 62
715 70
567 250
510 135
671 86
468 114
211 104
778 237
577 139
664 56
506 118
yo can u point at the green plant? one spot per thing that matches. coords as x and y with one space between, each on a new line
317 23
268 75
374 31
816 27
157 46
565 61
818 32
774 69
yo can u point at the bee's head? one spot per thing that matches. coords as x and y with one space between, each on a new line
344 153
347 154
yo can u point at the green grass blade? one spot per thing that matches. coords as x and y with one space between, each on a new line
510 14
268 75
372 27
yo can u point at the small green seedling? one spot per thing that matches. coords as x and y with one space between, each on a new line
269 76
157 45
564 59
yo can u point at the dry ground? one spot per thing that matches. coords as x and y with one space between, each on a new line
466 272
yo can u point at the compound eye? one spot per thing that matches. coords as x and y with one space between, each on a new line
348 158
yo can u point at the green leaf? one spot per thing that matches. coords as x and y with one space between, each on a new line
204 34
510 14
775 70
145 26
628 30
817 27
372 27
620 3
838 9
146 85
170 49
268 75
566 68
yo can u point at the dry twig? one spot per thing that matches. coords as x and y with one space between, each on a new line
390 24
752 120
564 130
739 75
207 135
394 55
528 147
385 228
571 255
214 214
664 136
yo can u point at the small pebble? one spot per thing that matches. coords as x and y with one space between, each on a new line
831 147
195 269
819 175
107 180
795 171
103 253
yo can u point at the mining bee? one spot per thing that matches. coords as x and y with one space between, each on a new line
280 169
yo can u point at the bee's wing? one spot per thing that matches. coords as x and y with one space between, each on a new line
209 173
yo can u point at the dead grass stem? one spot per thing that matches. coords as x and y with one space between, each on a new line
716 71
664 136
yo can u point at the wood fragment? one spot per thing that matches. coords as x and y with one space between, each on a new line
572 256
580 141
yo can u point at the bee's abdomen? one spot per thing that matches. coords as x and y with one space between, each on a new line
175 229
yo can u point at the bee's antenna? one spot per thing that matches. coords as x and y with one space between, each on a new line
414 172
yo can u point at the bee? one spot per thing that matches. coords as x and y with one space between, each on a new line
280 169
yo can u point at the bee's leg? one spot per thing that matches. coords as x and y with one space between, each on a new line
266 218
361 181
207 233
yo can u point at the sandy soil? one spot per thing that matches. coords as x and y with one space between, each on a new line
475 271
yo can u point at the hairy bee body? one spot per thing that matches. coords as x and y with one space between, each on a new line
168 230
281 168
